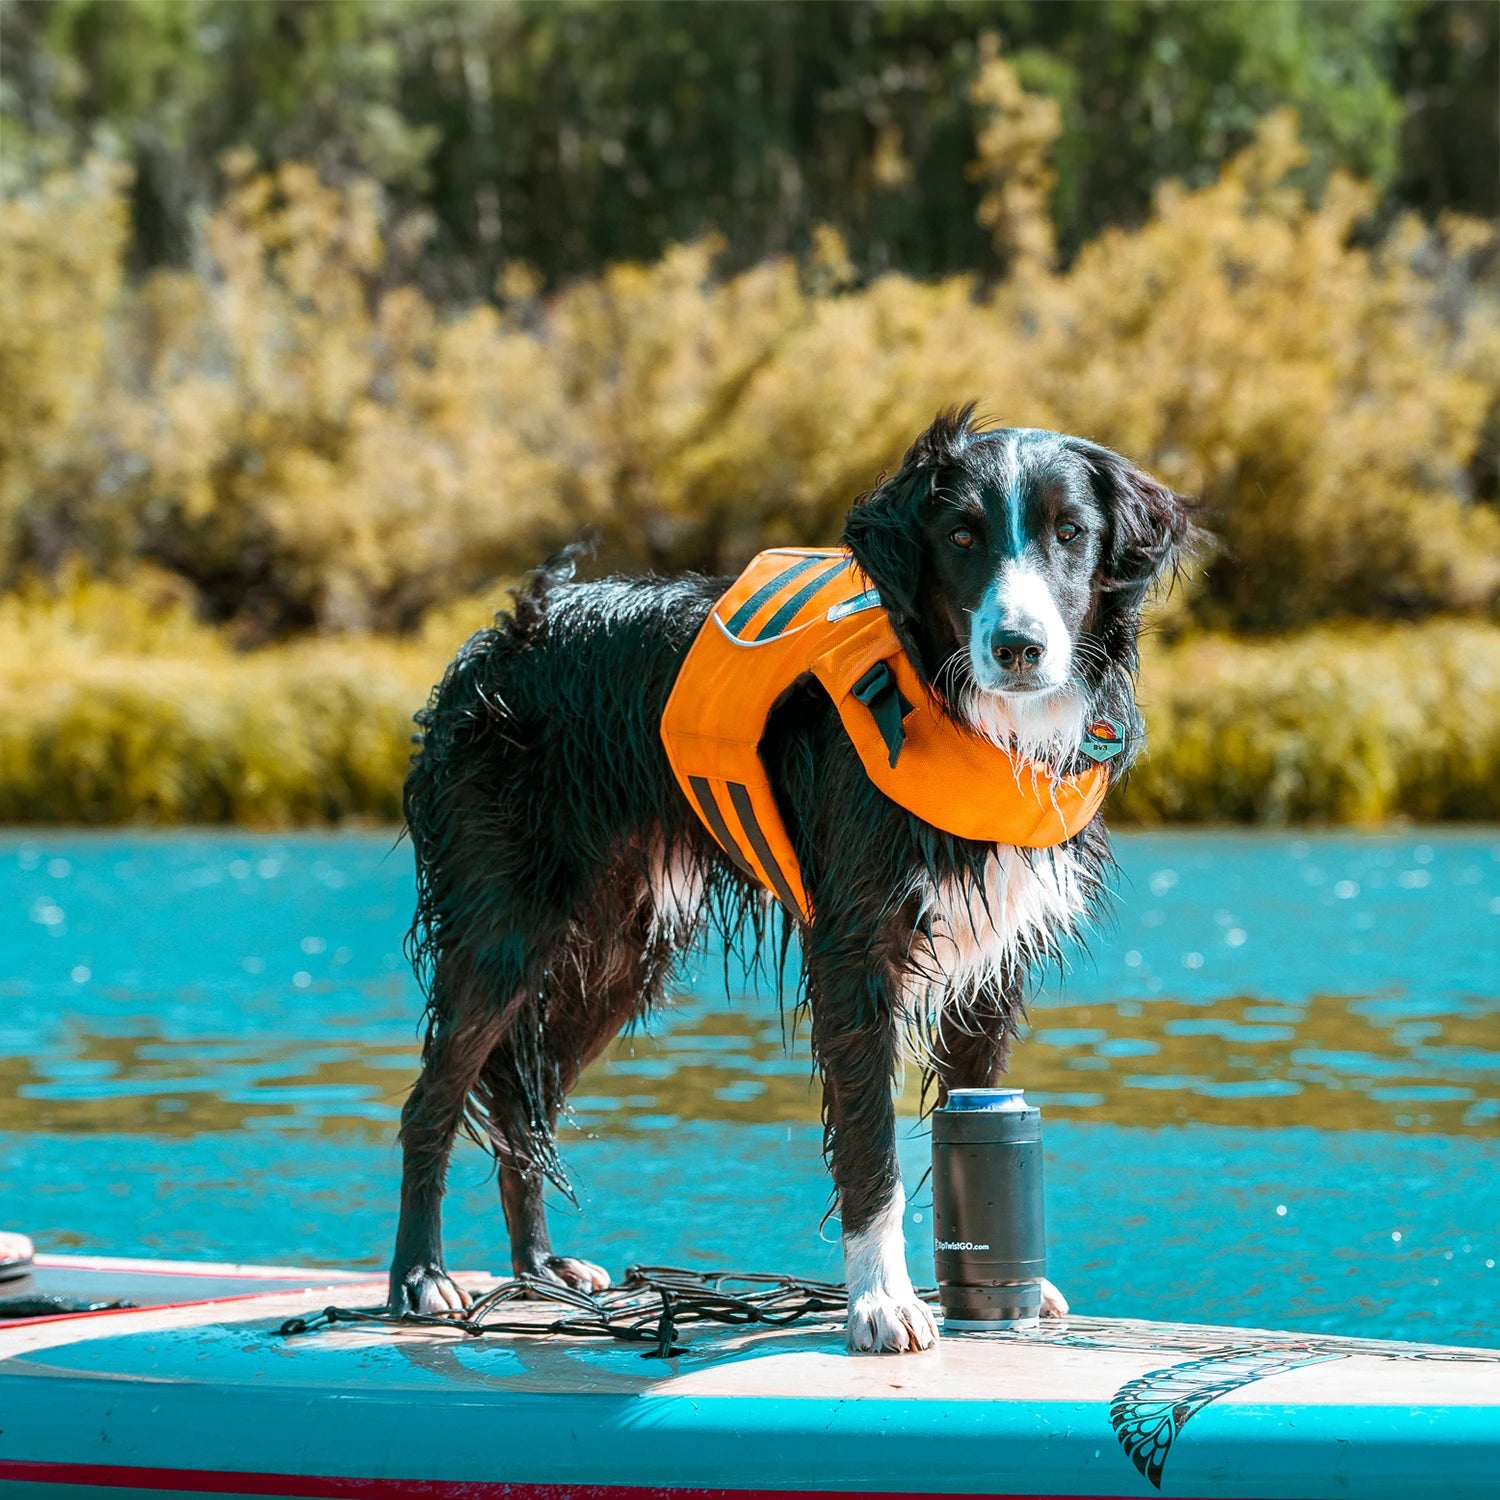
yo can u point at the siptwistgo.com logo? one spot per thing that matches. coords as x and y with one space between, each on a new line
960 1245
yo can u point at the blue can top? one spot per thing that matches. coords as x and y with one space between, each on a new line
992 1101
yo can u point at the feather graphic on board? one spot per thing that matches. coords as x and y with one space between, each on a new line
1147 1413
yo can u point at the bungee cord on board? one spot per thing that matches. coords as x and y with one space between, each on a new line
648 1306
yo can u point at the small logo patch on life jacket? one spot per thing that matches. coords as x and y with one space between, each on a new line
1103 739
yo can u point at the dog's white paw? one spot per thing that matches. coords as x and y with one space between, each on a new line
581 1275
885 1315
426 1289
1054 1304
883 1322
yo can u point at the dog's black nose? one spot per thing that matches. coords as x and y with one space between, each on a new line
1018 649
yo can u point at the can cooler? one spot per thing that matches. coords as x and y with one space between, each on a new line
989 1231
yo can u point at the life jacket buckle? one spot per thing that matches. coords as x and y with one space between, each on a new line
888 706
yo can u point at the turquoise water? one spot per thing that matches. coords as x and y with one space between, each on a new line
1272 1091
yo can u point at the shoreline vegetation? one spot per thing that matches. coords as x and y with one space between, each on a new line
253 498
310 444
116 709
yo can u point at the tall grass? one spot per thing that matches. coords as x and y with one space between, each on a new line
1351 725
115 706
115 710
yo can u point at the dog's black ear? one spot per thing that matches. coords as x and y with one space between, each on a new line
884 528
1150 526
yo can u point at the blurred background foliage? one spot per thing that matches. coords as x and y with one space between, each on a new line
572 133
322 319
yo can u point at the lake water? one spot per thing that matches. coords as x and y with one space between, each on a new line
1271 1092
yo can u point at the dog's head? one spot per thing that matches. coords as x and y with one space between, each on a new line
1013 564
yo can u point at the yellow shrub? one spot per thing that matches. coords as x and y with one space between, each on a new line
306 432
116 706
311 442
62 245
1013 147
1313 392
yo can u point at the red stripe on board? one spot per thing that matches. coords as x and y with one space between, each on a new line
219 1268
326 1487
156 1307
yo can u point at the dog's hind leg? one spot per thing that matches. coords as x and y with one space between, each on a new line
603 985
452 1060
531 1243
521 1090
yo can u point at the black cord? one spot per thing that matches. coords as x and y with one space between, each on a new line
651 1305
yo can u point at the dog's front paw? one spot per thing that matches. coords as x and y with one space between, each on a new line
1054 1304
884 1322
425 1289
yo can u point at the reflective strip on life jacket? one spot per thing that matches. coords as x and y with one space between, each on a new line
795 612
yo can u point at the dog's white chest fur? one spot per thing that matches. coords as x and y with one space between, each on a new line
1025 902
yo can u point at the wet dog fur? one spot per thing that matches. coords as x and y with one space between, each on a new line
562 875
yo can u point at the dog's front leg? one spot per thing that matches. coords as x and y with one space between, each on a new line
885 1314
855 1040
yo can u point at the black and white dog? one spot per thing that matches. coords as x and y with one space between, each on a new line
561 872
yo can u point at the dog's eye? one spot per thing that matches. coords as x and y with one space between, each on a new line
963 538
1068 532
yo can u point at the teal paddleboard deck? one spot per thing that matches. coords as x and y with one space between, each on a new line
197 1394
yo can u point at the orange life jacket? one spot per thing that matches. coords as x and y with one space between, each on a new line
795 612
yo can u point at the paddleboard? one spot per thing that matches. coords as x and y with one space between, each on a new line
195 1392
